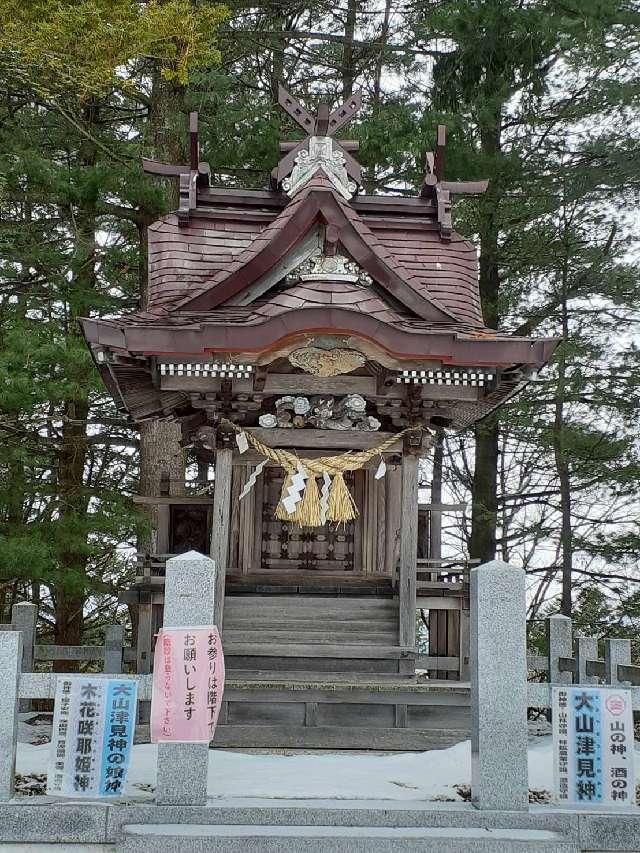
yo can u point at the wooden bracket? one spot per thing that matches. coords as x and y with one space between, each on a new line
225 437
413 441
435 187
191 176
259 378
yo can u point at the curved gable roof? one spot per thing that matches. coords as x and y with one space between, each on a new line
318 202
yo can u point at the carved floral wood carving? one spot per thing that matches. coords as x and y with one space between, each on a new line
323 362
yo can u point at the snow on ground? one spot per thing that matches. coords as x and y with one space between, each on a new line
391 776
396 776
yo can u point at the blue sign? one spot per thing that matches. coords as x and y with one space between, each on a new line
93 725
593 746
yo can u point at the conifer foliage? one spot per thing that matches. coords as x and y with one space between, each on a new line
540 97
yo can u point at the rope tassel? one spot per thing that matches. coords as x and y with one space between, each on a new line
342 506
307 512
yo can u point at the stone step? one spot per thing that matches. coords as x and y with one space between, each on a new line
225 838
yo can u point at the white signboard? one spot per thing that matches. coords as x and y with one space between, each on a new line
593 746
93 725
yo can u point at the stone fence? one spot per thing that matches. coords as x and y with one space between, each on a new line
500 694
573 658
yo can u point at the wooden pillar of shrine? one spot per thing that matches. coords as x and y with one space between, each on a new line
220 526
408 549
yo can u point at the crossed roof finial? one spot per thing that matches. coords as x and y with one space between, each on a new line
323 123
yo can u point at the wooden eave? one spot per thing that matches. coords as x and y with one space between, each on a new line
483 348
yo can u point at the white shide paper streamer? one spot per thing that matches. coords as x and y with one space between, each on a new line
252 479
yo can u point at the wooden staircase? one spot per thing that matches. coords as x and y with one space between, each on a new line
321 672
304 632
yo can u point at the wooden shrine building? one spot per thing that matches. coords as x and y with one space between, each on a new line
305 322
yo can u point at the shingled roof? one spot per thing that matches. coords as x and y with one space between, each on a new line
205 264
254 274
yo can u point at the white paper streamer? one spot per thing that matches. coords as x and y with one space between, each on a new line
381 470
241 441
324 496
252 479
295 490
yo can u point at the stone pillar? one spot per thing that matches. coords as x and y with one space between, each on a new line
559 645
586 649
10 658
499 772
188 600
24 618
616 652
113 639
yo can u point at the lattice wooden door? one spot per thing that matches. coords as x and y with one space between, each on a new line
288 547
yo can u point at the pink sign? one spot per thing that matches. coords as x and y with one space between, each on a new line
188 680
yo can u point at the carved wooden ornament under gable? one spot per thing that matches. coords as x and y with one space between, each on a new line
321 267
326 362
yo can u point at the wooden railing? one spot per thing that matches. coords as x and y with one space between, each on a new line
442 575
112 653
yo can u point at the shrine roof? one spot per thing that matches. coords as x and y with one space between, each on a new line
248 278
244 329
204 260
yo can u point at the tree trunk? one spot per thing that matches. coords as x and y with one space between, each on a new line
161 456
484 507
162 464
348 70
435 517
482 545
72 551
562 462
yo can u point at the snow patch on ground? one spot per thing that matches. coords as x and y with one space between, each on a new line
396 776
390 776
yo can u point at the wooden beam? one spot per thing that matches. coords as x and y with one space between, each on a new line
393 493
408 550
220 526
441 141
300 253
465 187
344 113
294 108
322 120
252 457
325 439
296 383
438 602
164 500
443 507
347 144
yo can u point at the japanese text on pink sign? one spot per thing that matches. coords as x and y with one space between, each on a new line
188 680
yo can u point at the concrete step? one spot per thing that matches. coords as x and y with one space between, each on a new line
224 838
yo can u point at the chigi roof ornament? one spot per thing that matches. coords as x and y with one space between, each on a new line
318 149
